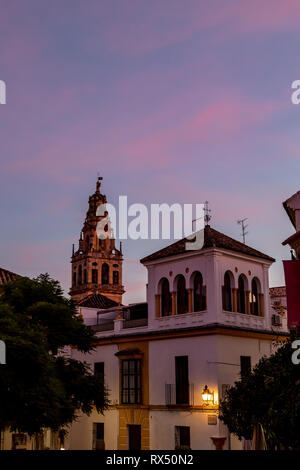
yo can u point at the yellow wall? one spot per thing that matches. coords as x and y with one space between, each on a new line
136 414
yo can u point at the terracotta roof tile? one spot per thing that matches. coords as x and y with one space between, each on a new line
7 276
212 238
97 301
277 291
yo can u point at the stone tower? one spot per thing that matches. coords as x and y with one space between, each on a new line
97 264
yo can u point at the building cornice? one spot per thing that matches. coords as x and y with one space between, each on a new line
207 252
208 330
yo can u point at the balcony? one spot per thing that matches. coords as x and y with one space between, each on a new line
181 395
104 325
135 323
244 320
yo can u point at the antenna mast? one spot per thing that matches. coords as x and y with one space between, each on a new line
207 212
207 217
244 227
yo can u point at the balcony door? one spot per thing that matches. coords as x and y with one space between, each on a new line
182 380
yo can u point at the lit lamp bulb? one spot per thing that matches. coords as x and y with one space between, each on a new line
207 395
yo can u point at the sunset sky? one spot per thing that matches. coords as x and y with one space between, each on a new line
169 100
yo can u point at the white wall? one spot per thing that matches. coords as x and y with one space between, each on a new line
212 263
104 354
162 429
162 365
81 434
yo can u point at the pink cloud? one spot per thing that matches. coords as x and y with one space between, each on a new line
139 27
222 120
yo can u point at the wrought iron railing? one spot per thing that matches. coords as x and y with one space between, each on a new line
104 326
179 394
135 323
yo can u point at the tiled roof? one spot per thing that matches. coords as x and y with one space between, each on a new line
293 238
6 276
277 291
212 238
97 301
289 206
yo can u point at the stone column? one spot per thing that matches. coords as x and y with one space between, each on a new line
248 293
173 302
234 299
190 298
261 304
157 306
118 325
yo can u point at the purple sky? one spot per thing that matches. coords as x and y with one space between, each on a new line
170 100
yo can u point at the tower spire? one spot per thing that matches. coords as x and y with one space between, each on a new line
97 264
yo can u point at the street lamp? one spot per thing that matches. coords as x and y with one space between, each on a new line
207 395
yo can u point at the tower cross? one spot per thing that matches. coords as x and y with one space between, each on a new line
99 179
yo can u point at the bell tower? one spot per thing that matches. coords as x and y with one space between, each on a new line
97 264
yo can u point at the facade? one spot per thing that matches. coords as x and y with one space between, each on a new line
292 208
278 304
292 267
22 441
208 321
97 264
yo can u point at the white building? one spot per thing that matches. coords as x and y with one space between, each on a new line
167 363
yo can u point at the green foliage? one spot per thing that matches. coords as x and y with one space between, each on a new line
270 395
40 388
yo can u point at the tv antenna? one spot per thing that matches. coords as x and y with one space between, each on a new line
207 212
207 217
244 227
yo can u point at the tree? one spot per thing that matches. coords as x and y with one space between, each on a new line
269 395
39 386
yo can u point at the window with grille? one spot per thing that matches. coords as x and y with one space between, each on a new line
131 381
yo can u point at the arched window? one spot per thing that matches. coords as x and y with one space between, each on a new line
182 296
74 278
80 275
199 293
95 276
227 298
105 273
84 276
254 308
241 296
115 277
166 303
